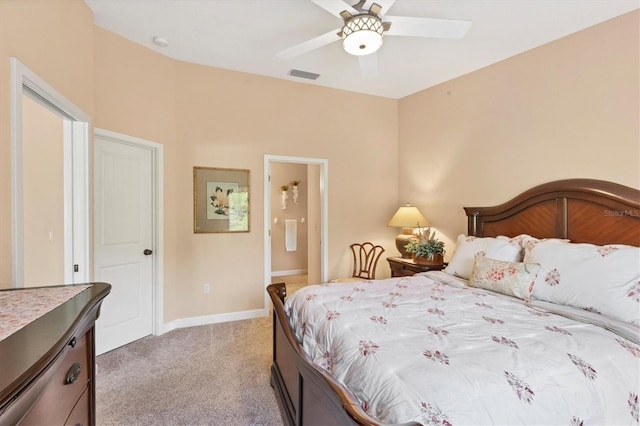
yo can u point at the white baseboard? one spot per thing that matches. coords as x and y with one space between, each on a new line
213 319
287 273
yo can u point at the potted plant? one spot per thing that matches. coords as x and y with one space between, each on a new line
426 249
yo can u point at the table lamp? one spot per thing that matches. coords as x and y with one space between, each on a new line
408 218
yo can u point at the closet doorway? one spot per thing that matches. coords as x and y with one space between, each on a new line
49 184
295 220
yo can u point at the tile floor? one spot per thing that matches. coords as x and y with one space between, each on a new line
293 282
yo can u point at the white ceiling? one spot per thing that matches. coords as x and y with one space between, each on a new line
245 35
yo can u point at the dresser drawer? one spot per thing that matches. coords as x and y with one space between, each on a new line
403 271
64 383
80 414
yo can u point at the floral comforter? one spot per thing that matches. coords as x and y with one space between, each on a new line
412 348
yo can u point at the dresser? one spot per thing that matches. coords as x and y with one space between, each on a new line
401 267
47 373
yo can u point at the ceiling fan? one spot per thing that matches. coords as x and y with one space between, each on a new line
364 26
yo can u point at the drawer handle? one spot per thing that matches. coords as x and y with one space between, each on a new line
73 342
74 373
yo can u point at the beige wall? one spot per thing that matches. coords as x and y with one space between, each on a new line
231 119
283 174
217 118
43 182
54 39
135 95
567 109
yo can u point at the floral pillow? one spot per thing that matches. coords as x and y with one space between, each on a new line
499 248
526 240
510 278
601 279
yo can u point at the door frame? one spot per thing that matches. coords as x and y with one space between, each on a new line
157 226
324 213
76 124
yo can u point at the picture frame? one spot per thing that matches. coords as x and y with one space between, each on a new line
220 200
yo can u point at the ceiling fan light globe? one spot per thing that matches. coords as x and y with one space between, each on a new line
363 42
362 35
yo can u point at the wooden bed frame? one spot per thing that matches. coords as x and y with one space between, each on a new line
582 210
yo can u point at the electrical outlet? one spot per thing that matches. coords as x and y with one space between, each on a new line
207 288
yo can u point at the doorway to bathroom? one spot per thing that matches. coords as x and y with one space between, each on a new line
295 220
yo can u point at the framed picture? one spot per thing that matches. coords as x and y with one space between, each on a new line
220 200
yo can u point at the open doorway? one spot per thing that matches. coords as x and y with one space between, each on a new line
65 171
43 195
291 228
295 220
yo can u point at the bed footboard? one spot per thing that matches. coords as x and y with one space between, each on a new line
307 394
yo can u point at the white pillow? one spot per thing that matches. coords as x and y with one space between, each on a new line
499 248
527 241
510 278
602 279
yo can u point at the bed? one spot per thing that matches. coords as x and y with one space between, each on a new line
533 352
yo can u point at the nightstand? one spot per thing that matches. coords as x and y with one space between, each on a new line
405 267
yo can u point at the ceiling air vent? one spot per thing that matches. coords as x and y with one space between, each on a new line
303 74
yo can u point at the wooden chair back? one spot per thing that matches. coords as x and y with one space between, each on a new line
365 259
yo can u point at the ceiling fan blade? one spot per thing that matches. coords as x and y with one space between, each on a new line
309 45
426 27
384 4
334 7
369 65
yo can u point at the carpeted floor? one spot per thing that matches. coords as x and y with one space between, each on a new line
210 375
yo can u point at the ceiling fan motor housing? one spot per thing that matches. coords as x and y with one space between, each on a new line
362 34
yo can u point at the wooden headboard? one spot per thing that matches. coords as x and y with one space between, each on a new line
582 210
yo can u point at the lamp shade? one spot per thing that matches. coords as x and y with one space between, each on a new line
408 217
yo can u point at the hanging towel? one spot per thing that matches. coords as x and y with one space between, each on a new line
291 235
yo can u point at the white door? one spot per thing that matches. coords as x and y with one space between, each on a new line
123 219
